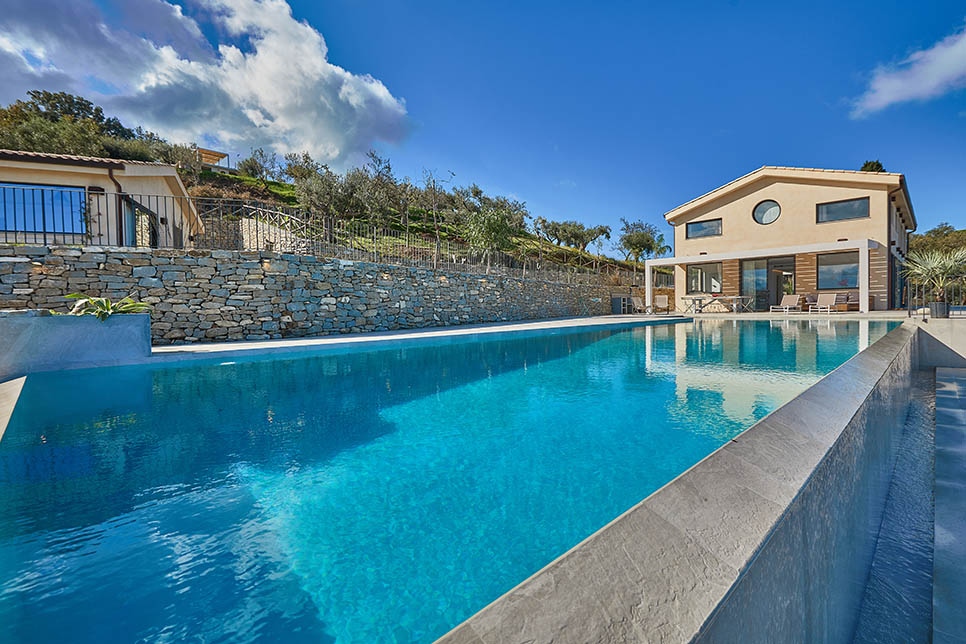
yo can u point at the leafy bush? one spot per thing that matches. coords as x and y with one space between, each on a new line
936 269
260 165
38 134
102 308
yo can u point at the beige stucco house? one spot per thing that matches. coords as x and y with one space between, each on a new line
805 231
67 199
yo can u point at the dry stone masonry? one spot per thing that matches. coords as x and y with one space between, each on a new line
217 295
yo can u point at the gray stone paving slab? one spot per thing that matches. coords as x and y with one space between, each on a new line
9 393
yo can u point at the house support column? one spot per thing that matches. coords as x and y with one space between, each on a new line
648 287
864 279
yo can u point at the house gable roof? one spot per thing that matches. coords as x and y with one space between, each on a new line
129 168
889 179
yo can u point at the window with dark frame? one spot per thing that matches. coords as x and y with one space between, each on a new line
842 210
766 212
697 229
704 278
837 271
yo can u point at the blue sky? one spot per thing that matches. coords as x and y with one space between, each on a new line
588 111
594 112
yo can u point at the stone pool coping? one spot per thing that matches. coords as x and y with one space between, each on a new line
671 568
242 349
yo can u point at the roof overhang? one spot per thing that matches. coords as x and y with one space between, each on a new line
857 244
900 196
26 157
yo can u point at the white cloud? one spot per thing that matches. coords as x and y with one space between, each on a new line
925 74
268 83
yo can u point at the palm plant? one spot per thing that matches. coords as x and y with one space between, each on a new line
935 269
102 308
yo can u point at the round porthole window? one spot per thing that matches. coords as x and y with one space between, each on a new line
766 212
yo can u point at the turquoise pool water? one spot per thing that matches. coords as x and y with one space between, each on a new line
363 495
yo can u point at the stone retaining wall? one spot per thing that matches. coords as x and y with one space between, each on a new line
214 295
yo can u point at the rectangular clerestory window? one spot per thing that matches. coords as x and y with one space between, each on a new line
708 228
839 210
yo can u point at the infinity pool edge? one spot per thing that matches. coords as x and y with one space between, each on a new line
671 568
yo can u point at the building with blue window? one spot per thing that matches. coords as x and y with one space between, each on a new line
50 199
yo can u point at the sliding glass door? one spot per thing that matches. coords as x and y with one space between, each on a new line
766 281
754 282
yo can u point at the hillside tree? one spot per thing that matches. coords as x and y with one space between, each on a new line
489 229
433 195
640 240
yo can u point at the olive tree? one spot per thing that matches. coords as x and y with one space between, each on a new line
488 229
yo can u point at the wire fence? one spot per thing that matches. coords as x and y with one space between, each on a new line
924 300
85 216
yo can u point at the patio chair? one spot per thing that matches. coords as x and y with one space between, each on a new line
852 301
788 303
661 304
637 305
825 303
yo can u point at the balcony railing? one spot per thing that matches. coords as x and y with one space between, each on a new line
925 301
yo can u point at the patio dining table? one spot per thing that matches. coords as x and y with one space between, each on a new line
695 303
737 303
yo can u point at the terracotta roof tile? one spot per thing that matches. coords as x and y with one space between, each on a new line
73 158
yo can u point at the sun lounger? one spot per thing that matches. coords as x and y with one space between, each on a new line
825 303
788 303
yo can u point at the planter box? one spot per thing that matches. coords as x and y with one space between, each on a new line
32 341
939 309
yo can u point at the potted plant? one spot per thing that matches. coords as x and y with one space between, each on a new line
102 308
936 270
97 332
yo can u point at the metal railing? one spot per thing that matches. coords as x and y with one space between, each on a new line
79 216
924 301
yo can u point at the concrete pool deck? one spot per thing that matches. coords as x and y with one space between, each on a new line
254 347
884 316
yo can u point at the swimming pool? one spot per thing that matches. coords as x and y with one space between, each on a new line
383 494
